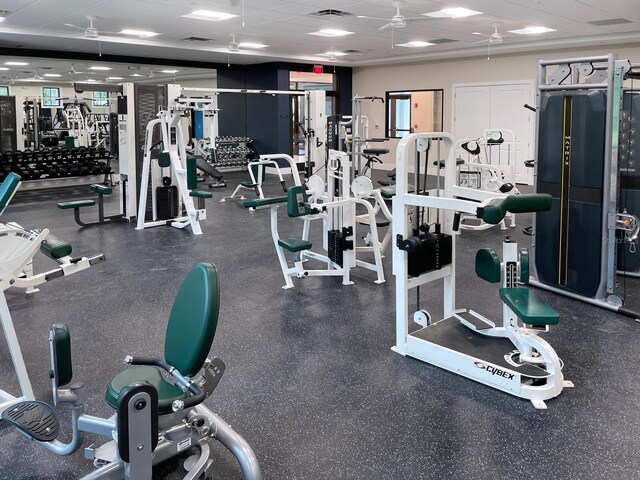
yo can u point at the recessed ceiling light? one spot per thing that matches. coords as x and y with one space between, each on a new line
52 75
136 75
4 68
17 64
456 12
114 78
334 54
91 80
415 44
532 30
138 33
252 45
2 19
331 32
99 68
209 15
169 71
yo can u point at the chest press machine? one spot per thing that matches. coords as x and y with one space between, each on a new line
508 355
333 205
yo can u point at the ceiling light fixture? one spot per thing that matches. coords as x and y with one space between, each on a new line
252 45
209 15
415 44
136 75
139 33
52 75
334 54
169 71
331 32
4 68
532 30
456 12
17 64
115 78
100 68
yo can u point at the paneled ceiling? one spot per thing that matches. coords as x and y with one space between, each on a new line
285 25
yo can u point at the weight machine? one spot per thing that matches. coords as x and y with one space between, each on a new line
507 355
579 242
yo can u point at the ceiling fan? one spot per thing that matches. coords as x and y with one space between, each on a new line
73 71
234 46
496 38
398 20
91 32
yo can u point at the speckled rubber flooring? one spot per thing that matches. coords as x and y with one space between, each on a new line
311 381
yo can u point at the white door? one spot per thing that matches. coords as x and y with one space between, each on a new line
480 107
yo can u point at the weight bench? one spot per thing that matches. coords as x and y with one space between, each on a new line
101 191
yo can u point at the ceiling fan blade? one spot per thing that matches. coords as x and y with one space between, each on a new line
384 27
412 19
482 41
74 26
481 34
373 18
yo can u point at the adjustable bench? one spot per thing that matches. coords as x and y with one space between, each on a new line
101 191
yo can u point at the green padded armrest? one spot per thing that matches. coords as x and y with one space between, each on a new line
488 265
199 194
101 189
61 343
528 307
294 244
262 202
76 204
7 189
389 191
441 163
524 265
55 248
494 211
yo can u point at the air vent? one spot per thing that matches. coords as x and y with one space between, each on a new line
610 21
45 68
439 41
197 39
329 12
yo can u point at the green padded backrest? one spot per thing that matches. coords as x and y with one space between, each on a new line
192 173
259 169
524 266
193 320
164 159
7 188
295 196
61 344
488 265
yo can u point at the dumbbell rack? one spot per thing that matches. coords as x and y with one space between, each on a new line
55 163
232 151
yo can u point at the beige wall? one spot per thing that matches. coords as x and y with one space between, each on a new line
375 81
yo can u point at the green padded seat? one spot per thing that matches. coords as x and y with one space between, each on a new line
488 265
263 202
8 188
528 307
294 244
389 191
190 332
199 194
247 184
101 189
167 392
76 204
380 222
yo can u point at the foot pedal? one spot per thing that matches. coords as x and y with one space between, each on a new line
37 419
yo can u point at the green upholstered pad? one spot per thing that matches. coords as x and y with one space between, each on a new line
193 320
488 265
524 265
497 208
164 159
441 163
192 173
76 204
7 189
55 248
69 142
380 222
262 202
101 189
61 342
390 191
255 169
167 392
528 307
247 184
297 195
294 244
199 194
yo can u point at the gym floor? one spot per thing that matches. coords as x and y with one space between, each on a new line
311 381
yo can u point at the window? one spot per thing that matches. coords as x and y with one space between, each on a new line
4 91
50 97
100 99
415 111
